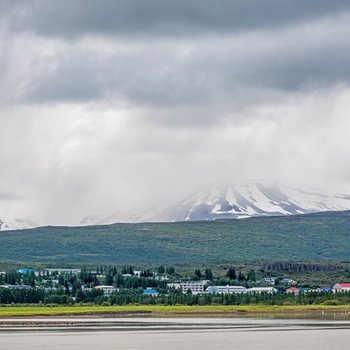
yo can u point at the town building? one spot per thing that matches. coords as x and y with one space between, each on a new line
293 290
226 289
269 280
107 290
60 271
288 281
196 287
26 271
341 287
262 290
150 292
16 286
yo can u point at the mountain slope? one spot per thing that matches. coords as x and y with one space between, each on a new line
234 201
319 236
126 216
16 224
242 200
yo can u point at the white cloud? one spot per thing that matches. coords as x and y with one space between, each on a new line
97 118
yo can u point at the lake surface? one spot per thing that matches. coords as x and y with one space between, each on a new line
263 333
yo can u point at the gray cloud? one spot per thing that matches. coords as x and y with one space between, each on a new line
157 17
127 103
309 50
178 73
4 196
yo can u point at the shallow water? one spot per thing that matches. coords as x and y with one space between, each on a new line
261 333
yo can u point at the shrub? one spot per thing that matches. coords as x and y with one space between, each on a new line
332 302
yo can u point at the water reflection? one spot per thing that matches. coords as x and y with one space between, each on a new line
263 332
184 324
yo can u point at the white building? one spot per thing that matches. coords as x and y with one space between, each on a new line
288 281
269 280
196 287
226 289
341 287
262 290
107 290
60 271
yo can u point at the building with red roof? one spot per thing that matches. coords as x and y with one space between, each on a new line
341 287
294 290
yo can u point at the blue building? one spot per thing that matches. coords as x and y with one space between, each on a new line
26 271
151 292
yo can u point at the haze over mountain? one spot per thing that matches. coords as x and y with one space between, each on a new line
227 200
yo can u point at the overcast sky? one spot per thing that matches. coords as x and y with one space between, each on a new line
109 104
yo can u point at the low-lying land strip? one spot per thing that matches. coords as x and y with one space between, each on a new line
161 310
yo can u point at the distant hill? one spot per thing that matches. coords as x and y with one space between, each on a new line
227 200
319 236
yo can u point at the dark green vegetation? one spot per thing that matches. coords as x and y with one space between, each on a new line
321 236
136 297
82 288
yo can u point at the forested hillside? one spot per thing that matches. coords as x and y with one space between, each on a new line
308 237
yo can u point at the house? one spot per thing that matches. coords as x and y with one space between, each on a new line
341 287
60 271
288 281
269 280
150 292
196 287
107 290
226 289
293 290
161 278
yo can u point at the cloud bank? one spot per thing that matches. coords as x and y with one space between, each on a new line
113 104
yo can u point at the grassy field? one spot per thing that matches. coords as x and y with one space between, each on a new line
181 310
322 236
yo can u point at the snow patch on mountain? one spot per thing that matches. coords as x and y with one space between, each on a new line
16 224
228 200
242 200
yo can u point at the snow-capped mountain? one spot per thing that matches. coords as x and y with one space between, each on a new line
16 224
243 200
235 201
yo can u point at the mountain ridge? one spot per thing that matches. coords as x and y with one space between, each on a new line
232 200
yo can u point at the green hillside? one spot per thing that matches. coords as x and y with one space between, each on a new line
318 236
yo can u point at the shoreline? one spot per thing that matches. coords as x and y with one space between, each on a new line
29 312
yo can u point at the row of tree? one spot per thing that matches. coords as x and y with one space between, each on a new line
172 297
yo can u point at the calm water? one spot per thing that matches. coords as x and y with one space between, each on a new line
263 333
